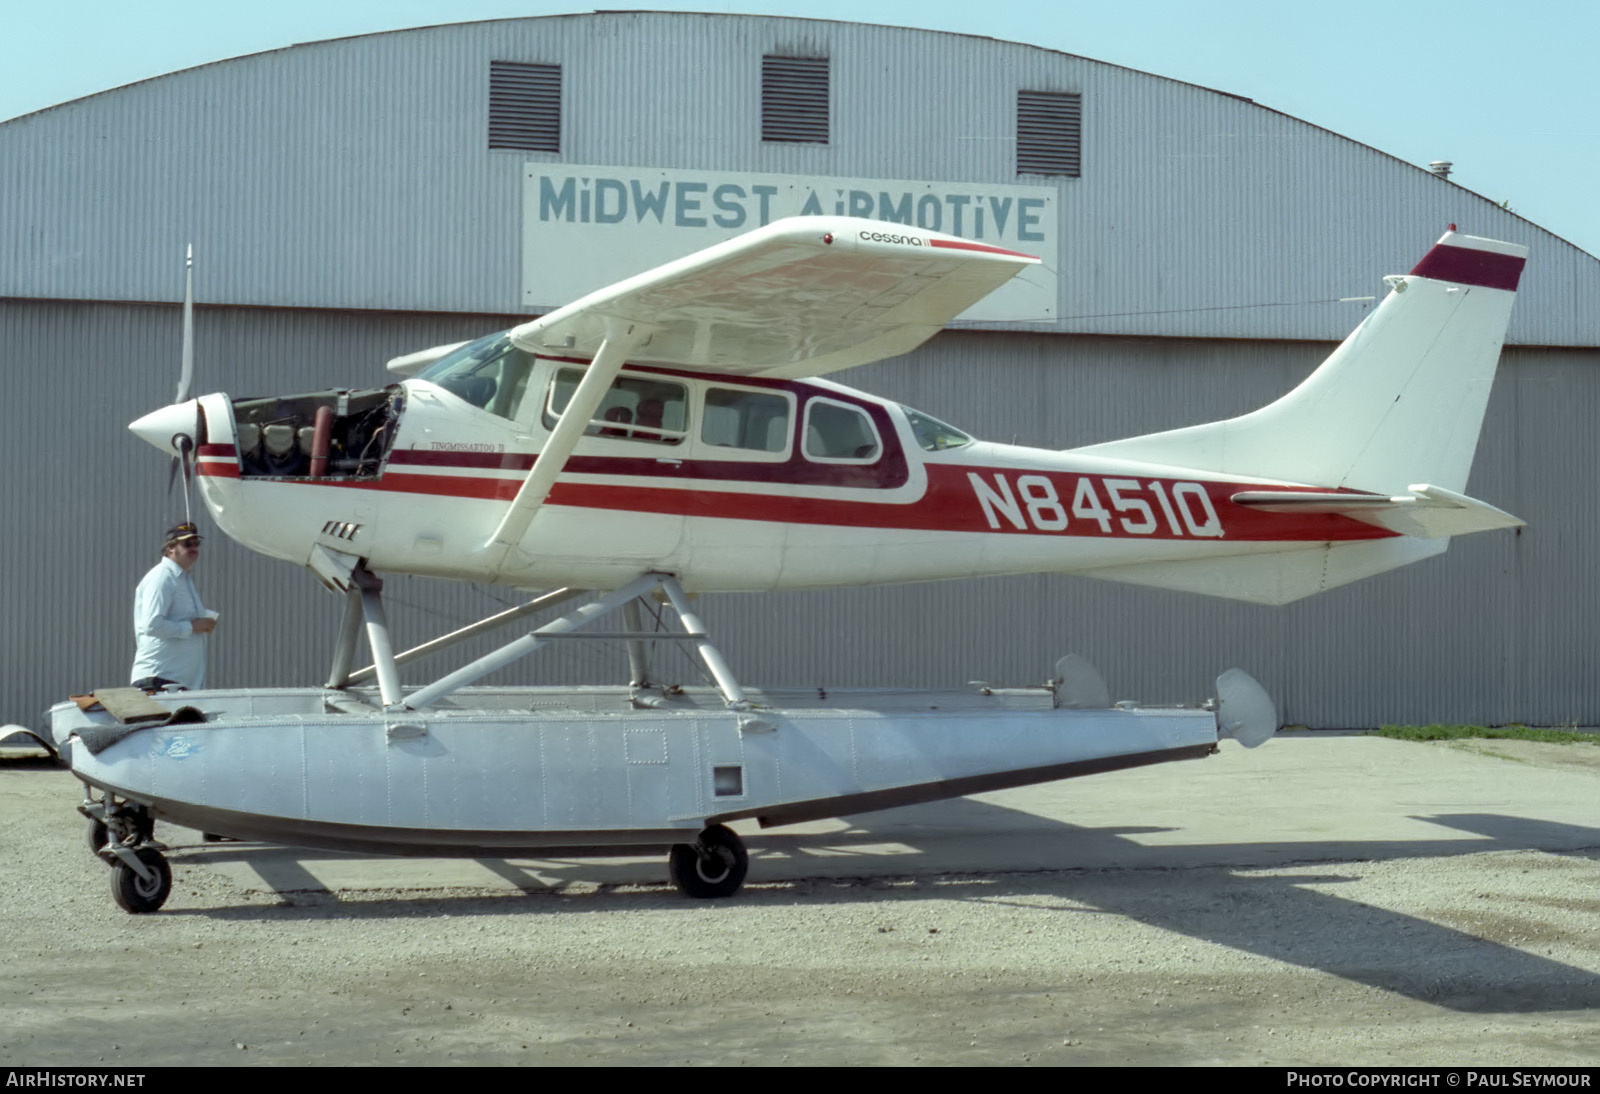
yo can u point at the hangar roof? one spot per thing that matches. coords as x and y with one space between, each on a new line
370 173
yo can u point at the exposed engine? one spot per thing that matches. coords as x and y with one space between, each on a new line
325 434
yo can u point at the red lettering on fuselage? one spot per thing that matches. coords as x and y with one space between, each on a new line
1094 505
1074 504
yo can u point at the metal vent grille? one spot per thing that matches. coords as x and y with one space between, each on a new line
1049 132
794 99
524 106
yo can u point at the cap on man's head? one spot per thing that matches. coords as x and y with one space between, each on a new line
180 532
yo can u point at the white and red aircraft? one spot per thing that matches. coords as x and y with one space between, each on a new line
677 422
674 432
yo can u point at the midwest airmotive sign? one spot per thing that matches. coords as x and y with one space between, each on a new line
587 227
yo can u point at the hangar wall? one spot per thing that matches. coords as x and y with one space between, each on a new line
346 209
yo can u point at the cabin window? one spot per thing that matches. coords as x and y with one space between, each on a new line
753 420
491 374
838 432
932 434
637 408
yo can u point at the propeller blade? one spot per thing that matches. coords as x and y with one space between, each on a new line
186 375
186 457
176 426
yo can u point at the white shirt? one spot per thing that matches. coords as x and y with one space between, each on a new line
163 607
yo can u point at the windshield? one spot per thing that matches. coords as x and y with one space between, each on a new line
932 434
490 373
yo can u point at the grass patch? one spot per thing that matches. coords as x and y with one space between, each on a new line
1511 733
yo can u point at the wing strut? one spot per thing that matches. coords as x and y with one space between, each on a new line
620 338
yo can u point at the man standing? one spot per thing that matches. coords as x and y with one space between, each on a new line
169 622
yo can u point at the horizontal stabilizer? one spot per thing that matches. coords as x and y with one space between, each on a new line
1277 577
1428 512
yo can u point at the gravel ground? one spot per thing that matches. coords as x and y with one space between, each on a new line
1485 958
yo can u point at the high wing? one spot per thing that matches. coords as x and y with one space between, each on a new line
800 297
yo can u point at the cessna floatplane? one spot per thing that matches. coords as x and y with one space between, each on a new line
673 434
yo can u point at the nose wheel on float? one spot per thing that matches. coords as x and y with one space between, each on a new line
122 833
141 880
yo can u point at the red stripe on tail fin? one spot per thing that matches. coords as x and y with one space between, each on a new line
1469 266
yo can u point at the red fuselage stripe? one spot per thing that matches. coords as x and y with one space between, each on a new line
949 504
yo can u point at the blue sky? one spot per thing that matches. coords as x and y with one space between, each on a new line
1505 91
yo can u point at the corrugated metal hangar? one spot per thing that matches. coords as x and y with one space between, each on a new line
353 200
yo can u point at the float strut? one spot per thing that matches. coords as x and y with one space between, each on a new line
638 655
371 586
511 651
731 691
344 651
455 637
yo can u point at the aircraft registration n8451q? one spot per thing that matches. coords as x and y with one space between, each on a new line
675 432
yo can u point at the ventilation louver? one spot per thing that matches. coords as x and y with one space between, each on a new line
524 106
794 99
1049 133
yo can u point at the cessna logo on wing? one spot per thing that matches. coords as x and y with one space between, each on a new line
884 237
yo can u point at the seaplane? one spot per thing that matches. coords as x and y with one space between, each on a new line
676 434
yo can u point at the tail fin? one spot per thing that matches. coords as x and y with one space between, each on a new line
1401 401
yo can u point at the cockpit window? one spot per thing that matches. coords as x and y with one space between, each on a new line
490 373
932 434
637 408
